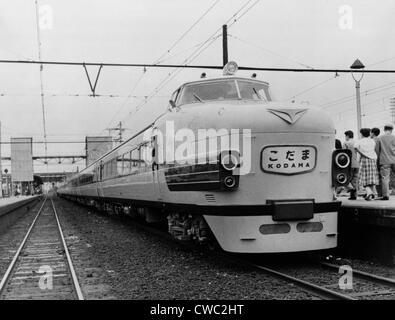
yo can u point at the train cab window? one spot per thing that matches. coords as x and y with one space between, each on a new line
251 90
209 91
174 96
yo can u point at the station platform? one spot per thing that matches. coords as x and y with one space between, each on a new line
10 204
367 229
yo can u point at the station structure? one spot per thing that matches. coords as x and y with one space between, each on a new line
22 180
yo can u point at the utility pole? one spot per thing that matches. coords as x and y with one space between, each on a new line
120 131
225 44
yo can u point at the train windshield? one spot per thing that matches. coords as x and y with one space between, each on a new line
230 89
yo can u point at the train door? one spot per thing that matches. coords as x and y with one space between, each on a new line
155 166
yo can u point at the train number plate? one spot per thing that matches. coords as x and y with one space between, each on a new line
292 159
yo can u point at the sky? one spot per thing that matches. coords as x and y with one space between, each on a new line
273 33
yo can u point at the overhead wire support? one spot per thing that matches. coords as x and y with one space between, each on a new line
218 67
93 87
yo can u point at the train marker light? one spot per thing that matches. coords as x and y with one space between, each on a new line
342 160
230 68
341 178
230 181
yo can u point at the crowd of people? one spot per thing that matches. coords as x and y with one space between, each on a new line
373 160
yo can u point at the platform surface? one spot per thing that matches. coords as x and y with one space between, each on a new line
373 204
9 204
10 200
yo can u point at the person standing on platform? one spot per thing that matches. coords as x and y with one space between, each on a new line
368 174
385 149
374 134
349 144
338 144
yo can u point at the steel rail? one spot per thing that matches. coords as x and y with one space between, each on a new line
71 267
14 260
311 287
364 275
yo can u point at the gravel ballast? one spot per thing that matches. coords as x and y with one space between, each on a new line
135 264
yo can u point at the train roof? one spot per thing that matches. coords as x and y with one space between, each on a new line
224 78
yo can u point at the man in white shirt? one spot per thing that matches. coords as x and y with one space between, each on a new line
349 144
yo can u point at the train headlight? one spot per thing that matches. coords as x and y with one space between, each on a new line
229 162
230 68
342 160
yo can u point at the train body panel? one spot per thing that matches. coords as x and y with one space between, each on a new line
260 234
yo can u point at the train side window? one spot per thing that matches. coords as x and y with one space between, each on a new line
120 165
114 171
146 155
107 170
130 161
135 158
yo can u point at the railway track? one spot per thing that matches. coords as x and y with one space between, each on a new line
380 286
41 267
325 285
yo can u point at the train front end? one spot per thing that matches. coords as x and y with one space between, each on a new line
284 199
274 191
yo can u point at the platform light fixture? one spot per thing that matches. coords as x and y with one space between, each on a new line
358 65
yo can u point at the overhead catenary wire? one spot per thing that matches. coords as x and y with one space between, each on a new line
269 51
52 95
186 65
195 54
186 32
335 77
161 59
367 92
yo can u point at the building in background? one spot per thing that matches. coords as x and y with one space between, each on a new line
21 166
95 147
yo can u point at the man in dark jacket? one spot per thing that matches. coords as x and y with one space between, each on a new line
385 149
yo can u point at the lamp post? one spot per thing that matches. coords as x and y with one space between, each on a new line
6 181
358 65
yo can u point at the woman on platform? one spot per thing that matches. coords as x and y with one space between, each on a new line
368 174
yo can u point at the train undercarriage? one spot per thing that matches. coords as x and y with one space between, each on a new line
181 226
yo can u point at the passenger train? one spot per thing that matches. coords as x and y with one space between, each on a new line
225 164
